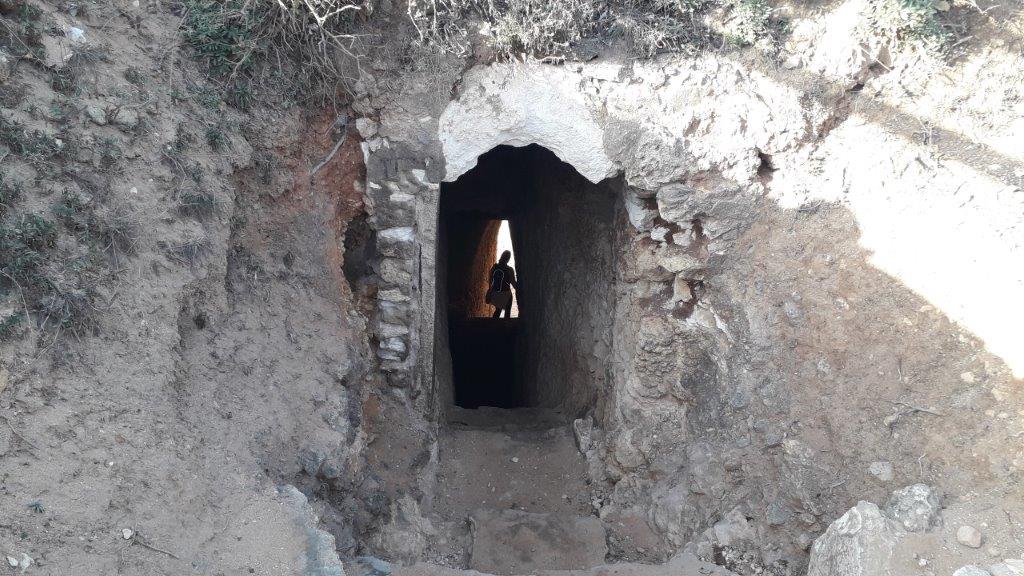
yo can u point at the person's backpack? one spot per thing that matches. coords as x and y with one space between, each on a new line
497 279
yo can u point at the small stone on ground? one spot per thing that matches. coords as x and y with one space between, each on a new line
969 536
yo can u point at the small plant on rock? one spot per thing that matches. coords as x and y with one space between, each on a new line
10 192
34 146
216 138
197 204
188 251
755 24
33 231
237 39
117 227
68 78
183 139
23 37
110 153
70 210
9 322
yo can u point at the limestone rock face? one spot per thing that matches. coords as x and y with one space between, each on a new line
321 558
512 110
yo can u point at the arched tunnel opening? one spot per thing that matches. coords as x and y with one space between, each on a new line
561 233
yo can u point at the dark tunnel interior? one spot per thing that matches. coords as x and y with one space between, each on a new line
562 233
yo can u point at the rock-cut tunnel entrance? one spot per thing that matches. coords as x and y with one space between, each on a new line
563 235
511 484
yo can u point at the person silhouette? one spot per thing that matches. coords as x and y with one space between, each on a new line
499 288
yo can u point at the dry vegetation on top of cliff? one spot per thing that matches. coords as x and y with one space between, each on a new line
323 46
579 29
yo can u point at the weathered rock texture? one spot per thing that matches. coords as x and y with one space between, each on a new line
751 283
786 281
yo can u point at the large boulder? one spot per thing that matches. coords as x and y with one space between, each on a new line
865 540
320 557
860 543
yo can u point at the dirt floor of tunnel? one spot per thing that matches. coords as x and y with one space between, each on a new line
501 470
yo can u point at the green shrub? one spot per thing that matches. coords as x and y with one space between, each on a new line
754 22
110 153
186 251
223 34
135 76
10 192
240 95
32 145
183 138
55 282
56 288
34 231
23 38
9 323
68 303
117 228
216 139
23 241
70 210
67 79
105 227
913 23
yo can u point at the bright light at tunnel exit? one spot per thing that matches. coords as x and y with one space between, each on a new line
505 243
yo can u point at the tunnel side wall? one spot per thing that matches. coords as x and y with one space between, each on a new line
470 256
567 274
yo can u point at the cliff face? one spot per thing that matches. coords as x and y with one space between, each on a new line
756 293
791 310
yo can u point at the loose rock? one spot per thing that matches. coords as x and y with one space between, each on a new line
969 536
368 566
881 470
97 115
971 571
640 216
860 543
1008 567
6 66
732 529
778 514
126 118
915 507
583 429
367 127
